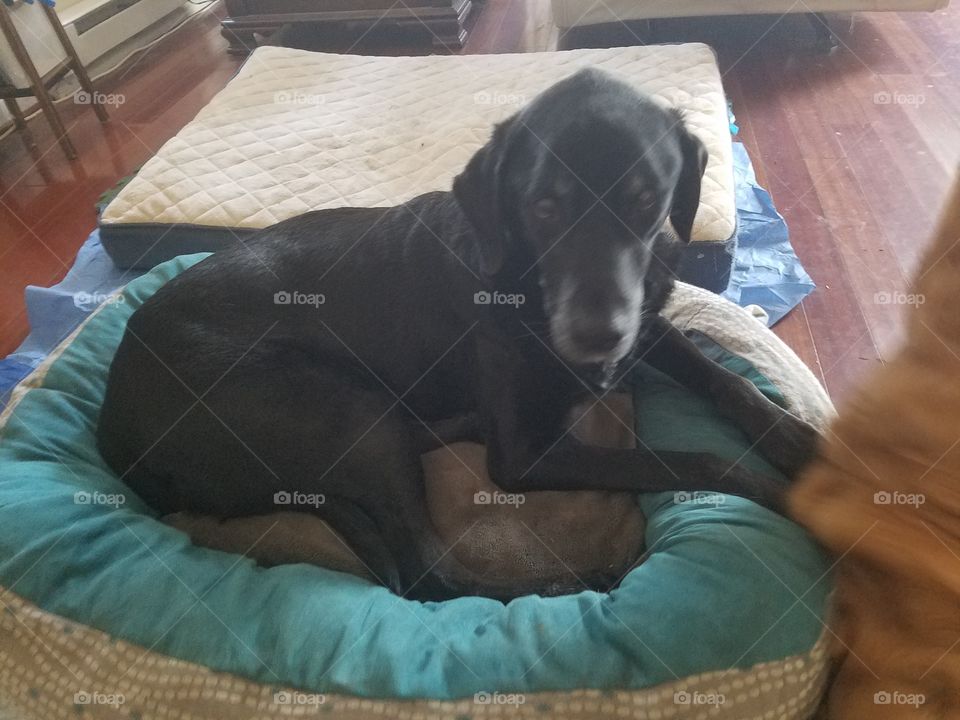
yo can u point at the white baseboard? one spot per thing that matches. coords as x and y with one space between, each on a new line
117 28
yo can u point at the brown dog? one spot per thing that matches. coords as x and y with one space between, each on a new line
884 497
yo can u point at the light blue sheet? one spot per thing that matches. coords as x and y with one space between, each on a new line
766 270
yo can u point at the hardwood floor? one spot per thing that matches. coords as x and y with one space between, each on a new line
47 204
856 147
859 181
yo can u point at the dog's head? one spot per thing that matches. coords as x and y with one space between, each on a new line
576 189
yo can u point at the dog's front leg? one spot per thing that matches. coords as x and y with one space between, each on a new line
570 465
523 414
784 439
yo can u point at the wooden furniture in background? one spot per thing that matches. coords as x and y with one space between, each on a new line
442 20
40 84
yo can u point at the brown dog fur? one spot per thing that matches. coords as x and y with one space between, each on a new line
897 622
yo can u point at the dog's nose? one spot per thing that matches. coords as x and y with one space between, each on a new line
598 339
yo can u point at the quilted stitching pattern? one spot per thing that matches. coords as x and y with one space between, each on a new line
296 131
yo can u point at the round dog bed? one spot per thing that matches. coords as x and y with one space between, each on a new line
728 602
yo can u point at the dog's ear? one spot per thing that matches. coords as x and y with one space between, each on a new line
477 190
686 195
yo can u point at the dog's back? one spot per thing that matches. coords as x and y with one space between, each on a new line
885 498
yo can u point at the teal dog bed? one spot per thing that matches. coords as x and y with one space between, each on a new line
727 585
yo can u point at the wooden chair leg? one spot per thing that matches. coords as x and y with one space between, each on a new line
53 118
36 83
75 63
20 122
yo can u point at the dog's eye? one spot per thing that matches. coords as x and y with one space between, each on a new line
546 208
647 199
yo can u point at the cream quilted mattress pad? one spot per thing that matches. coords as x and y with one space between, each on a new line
296 131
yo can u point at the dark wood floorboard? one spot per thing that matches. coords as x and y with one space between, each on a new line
47 204
857 148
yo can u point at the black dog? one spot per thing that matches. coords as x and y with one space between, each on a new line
314 358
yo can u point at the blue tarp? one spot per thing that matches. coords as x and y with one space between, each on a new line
766 270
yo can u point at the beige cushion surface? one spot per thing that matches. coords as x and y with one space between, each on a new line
296 131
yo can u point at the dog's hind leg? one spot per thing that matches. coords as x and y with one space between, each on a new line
294 436
278 538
